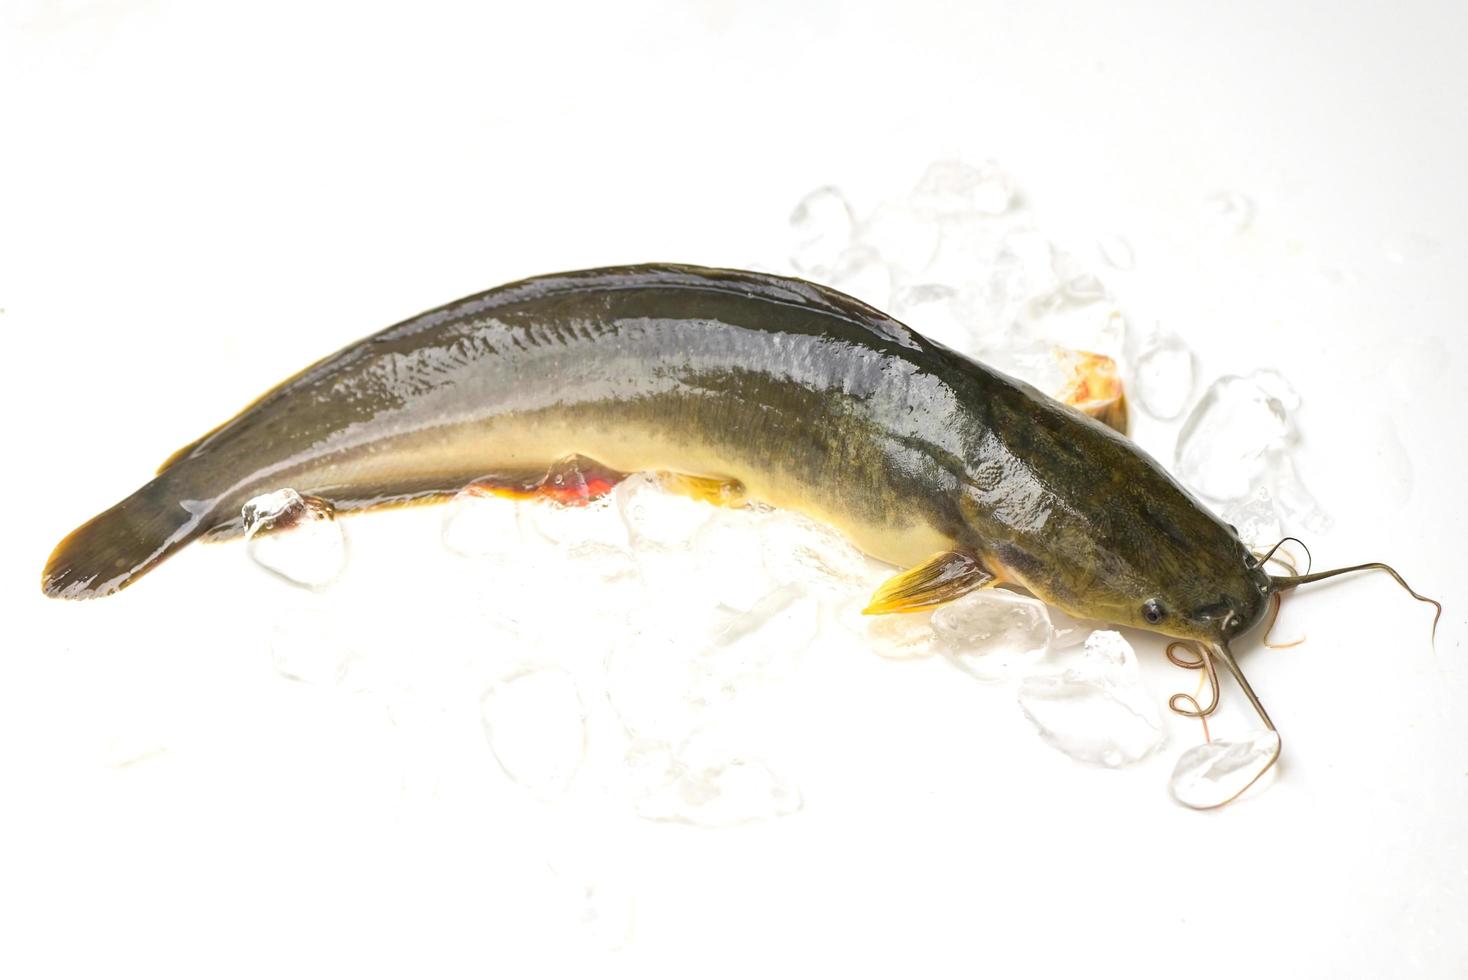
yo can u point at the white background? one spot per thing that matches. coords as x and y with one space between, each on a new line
196 200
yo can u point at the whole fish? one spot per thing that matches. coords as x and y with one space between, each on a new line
793 393
800 395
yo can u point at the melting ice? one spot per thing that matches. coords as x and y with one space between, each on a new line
295 536
1213 773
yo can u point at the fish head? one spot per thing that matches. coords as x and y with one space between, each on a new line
1113 537
1122 571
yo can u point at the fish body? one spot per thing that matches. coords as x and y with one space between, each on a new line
807 398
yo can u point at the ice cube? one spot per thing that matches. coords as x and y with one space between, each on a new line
1082 379
1213 773
1229 212
1097 712
1035 362
603 579
295 536
1278 387
969 245
800 551
992 634
312 646
895 636
678 664
1067 632
953 187
596 522
1255 519
649 675
1164 379
1227 440
1095 326
822 225
1077 283
903 237
1042 268
1117 252
1065 303
1294 500
933 310
536 727
730 560
708 781
748 648
1000 280
478 524
656 518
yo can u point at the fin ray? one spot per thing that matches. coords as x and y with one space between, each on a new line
942 578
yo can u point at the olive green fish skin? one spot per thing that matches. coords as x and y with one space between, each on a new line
810 398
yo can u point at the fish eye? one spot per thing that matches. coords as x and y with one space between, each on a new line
1153 612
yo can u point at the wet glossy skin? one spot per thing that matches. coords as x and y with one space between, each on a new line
809 398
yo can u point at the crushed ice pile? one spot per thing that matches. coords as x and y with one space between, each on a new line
664 690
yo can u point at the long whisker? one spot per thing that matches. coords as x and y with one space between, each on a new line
1275 601
1309 558
1222 652
1278 582
1187 704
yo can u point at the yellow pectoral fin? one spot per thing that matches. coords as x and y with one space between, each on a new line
1095 388
1111 412
942 578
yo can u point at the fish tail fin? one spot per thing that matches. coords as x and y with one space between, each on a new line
123 543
